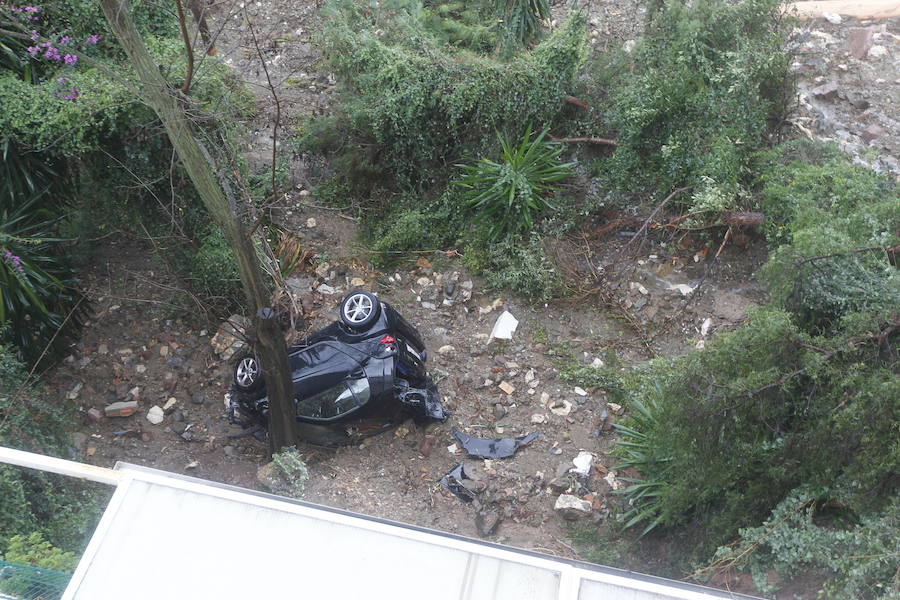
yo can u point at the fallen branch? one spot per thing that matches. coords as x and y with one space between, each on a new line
585 140
575 101
649 219
743 219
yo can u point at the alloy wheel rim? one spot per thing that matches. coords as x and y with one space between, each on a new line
358 308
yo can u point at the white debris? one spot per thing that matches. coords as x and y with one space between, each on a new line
561 408
582 463
310 222
452 448
704 329
155 415
448 349
504 327
538 418
613 482
529 375
683 288
616 408
545 398
597 363
834 19
325 289
581 391
572 507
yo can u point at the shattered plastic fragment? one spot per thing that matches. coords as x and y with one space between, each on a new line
453 483
505 326
496 448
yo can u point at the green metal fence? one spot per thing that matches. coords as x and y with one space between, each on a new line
22 582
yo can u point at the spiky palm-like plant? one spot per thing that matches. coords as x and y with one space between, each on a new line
508 195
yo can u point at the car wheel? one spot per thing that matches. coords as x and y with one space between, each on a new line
359 309
248 375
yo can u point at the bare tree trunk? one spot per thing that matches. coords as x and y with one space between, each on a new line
201 168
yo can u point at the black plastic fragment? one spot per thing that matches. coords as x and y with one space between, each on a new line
496 448
453 483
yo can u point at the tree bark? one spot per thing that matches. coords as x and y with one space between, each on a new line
201 168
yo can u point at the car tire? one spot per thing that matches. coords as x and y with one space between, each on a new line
248 374
359 309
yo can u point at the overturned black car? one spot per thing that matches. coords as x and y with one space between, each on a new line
357 377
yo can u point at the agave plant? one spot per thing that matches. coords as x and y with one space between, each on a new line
635 449
508 195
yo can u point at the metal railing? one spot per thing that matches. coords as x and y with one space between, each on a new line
22 582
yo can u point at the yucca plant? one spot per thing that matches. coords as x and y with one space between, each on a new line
508 195
636 449
40 306
521 19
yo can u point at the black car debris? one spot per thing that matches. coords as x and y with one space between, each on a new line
357 377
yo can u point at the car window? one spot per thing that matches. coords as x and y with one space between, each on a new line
336 400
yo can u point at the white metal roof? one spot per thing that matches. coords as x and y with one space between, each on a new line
169 536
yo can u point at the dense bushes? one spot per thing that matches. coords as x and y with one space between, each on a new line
804 396
418 107
694 97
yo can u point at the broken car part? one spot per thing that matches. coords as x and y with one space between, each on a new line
496 448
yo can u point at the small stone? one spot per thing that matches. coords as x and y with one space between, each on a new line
597 363
178 427
545 398
616 408
538 418
155 415
141 369
163 350
628 46
73 392
429 305
427 445
571 508
310 222
304 193
188 436
170 403
529 376
506 387
79 440
561 407
452 448
872 132
423 282
446 350
135 393
192 465
860 40
102 349
357 282
877 51
581 391
121 409
95 415
834 19
499 411
198 399
826 91
229 450
325 289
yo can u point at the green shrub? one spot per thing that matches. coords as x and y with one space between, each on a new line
822 217
693 98
859 558
415 106
519 264
521 19
34 551
508 195
214 271
725 433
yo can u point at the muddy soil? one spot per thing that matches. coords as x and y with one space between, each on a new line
149 341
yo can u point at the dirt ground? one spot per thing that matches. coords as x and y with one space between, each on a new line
669 298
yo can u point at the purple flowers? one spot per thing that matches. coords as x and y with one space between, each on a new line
70 59
15 261
93 39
